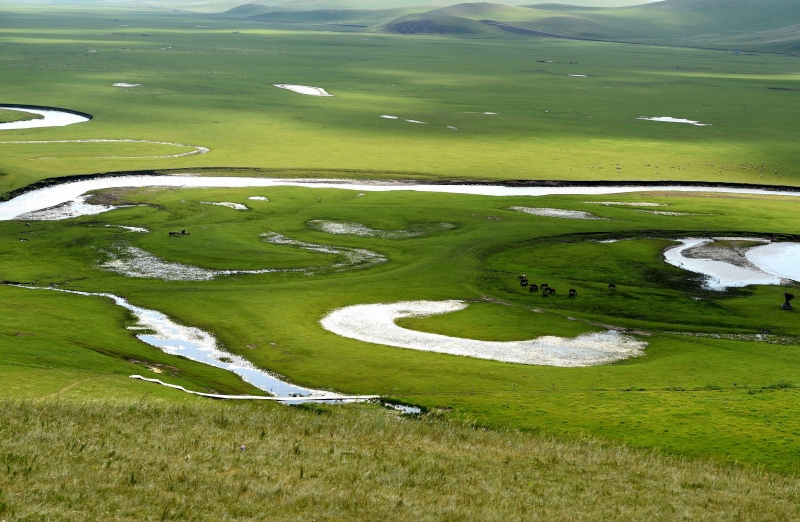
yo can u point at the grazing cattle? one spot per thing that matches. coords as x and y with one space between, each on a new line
544 285
545 293
573 293
521 277
533 288
612 286
551 290
523 283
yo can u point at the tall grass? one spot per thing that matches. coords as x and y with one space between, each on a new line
153 461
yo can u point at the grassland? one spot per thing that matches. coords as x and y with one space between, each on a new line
272 319
150 460
9 116
210 87
718 381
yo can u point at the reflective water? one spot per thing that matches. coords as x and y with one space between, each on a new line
65 192
197 345
771 263
781 259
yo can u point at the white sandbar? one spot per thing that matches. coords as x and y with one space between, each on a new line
721 275
132 261
557 213
626 203
375 323
303 89
234 206
352 228
670 119
138 230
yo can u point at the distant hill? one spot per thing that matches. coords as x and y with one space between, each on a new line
433 23
246 10
763 25
365 17
490 11
767 24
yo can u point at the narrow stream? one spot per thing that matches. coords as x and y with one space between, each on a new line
160 331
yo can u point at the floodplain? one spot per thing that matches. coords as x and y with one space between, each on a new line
351 282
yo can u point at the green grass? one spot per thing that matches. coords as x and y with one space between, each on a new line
272 319
7 116
153 460
211 87
718 399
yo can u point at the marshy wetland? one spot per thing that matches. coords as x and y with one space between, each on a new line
480 230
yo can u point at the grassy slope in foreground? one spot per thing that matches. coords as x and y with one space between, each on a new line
145 460
549 125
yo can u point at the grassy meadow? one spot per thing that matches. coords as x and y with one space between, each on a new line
703 426
146 460
208 82
272 319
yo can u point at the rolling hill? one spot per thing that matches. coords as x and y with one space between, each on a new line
434 23
753 24
762 25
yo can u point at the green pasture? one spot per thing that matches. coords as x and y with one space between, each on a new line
707 386
731 382
10 116
208 82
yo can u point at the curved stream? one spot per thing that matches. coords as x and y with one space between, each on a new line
50 118
64 193
197 345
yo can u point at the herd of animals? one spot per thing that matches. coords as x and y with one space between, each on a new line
547 290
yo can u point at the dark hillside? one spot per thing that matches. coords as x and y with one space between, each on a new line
431 23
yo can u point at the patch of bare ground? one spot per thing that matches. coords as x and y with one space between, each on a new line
728 251
117 196
211 461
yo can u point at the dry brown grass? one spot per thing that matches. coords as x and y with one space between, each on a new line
154 461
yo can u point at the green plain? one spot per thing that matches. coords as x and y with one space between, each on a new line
706 386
